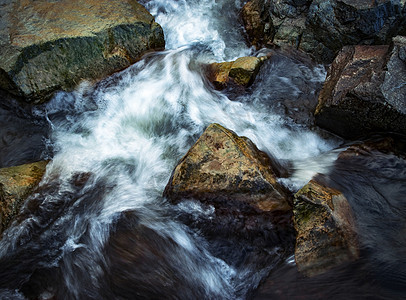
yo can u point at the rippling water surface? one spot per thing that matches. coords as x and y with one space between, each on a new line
98 228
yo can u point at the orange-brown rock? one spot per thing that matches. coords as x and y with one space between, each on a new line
16 183
326 235
241 71
47 46
221 166
219 74
258 23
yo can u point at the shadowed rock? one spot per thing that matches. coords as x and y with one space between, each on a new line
321 28
325 229
365 91
339 23
49 46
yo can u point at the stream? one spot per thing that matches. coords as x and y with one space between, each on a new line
98 226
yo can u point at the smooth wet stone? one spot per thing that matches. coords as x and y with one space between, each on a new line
48 46
242 71
16 183
324 223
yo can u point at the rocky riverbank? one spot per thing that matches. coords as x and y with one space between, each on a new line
248 213
322 28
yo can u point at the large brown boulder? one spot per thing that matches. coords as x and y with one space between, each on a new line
365 91
221 166
47 46
16 183
226 189
325 229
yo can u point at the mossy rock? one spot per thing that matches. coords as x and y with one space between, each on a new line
326 235
242 71
49 46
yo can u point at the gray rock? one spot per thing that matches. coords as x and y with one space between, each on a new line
322 28
340 23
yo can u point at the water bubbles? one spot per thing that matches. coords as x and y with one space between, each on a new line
210 23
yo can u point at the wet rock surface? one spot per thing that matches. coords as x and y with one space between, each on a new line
49 46
225 190
326 233
365 91
233 189
371 176
22 135
339 23
258 23
141 263
321 28
16 183
222 166
242 71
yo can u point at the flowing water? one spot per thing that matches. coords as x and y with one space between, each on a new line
98 227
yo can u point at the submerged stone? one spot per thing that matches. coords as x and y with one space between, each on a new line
16 183
48 46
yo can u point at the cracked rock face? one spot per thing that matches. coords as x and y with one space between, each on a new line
48 46
365 91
